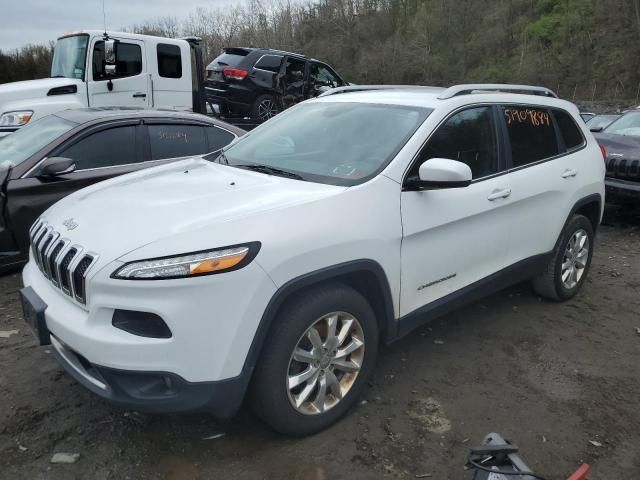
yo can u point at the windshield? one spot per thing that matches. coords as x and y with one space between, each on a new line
601 121
335 143
628 124
19 146
69 57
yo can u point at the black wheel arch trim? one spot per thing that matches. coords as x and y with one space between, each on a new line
593 198
334 272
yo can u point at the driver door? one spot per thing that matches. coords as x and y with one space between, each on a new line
454 237
131 86
321 79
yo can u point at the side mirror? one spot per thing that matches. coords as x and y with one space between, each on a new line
110 57
442 173
596 129
56 166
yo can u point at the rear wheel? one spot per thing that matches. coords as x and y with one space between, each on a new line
316 360
567 270
264 108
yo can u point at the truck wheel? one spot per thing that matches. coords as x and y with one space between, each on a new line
567 270
316 360
265 107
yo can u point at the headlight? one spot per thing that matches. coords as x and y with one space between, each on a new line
16 119
190 264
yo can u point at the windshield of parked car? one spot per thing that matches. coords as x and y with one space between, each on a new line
601 121
337 143
628 124
69 57
19 146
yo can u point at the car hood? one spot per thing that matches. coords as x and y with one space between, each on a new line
16 91
193 203
620 146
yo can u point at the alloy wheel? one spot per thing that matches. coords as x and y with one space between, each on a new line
325 363
267 109
575 259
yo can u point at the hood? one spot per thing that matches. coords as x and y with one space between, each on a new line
17 91
619 146
192 199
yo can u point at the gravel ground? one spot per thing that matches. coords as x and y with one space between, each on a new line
551 377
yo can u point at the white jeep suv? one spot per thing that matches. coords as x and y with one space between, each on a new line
274 270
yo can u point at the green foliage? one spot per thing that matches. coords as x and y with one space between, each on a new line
568 45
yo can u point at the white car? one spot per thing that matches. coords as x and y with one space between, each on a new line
275 270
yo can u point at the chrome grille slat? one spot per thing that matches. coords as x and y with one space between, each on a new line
39 245
46 255
36 239
63 264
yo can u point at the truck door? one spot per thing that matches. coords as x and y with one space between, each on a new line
130 87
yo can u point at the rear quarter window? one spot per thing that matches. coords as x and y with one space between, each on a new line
173 141
169 61
568 130
532 134
271 63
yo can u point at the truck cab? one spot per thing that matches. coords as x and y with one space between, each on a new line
96 69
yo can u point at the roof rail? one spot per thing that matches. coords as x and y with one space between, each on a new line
466 89
366 88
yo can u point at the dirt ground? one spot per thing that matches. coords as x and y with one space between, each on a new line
551 377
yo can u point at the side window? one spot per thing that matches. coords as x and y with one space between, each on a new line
218 138
568 129
531 134
468 136
321 75
129 60
112 147
271 63
172 141
169 61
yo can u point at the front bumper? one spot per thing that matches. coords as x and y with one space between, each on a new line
622 188
152 392
213 320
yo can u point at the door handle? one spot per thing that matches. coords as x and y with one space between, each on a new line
496 194
139 95
569 172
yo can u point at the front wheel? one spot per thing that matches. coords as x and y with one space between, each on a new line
567 270
316 360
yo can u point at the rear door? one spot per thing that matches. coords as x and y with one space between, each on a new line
170 140
294 81
131 86
543 170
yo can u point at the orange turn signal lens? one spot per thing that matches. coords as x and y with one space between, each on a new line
217 264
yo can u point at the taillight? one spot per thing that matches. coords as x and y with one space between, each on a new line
235 73
604 152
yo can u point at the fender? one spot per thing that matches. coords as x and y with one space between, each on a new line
335 272
593 198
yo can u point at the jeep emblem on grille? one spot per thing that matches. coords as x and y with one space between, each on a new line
70 224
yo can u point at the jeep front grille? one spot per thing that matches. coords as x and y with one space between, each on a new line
65 265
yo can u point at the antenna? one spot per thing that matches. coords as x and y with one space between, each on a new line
104 18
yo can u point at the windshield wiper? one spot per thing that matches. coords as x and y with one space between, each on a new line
256 167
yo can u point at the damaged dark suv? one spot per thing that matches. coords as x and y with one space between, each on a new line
261 82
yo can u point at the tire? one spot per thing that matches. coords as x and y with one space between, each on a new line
551 283
265 107
270 396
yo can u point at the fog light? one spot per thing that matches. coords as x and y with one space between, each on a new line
143 324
